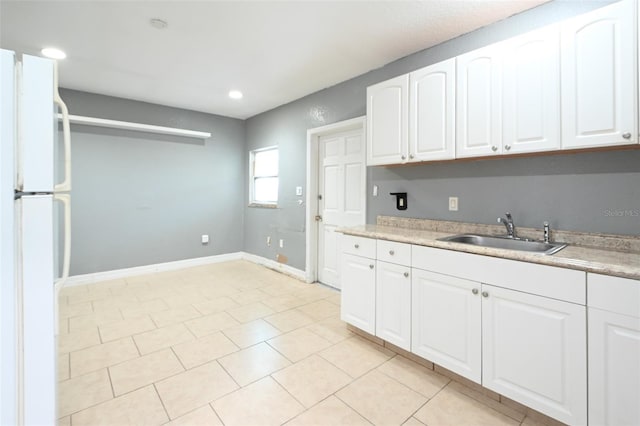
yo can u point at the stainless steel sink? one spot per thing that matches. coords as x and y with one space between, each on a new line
506 243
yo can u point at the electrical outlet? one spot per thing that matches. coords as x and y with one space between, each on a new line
205 239
268 241
281 243
453 204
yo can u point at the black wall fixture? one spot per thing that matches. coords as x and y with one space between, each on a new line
401 200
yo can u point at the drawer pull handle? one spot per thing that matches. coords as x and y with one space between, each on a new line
474 291
370 266
485 294
406 275
356 246
391 252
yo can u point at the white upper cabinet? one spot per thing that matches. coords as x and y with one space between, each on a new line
388 121
531 84
432 112
478 102
599 77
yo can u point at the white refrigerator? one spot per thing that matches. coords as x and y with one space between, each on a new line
29 110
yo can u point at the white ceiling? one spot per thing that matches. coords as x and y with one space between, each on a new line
273 51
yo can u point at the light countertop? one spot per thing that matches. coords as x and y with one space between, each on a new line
583 258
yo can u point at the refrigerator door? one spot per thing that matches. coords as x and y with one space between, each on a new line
37 125
35 269
8 285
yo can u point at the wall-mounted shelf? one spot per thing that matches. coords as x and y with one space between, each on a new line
138 127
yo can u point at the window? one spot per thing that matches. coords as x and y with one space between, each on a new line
264 176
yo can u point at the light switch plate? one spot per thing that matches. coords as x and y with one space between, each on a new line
298 190
453 204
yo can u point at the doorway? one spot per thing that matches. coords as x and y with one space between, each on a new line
336 194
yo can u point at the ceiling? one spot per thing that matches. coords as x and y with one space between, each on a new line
273 51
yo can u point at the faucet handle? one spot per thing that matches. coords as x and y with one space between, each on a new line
545 225
509 218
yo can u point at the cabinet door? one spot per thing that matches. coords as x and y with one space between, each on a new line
614 368
388 121
531 84
358 282
534 351
393 304
446 326
599 78
479 102
431 107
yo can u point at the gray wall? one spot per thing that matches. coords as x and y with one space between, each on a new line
573 192
140 198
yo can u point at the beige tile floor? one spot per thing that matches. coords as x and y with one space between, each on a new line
238 344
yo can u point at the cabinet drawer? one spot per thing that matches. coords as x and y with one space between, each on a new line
549 281
614 294
359 246
392 252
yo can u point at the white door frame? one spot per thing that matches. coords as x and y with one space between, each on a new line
313 135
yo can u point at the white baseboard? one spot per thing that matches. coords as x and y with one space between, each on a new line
181 264
150 269
276 266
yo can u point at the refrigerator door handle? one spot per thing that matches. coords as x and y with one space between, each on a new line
65 199
65 185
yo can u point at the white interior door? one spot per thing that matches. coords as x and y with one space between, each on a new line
341 194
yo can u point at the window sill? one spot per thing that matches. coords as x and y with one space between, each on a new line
263 206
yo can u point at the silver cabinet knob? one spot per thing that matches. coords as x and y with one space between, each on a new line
485 294
404 157
370 266
406 275
411 157
626 135
507 147
474 291
391 252
494 148
356 245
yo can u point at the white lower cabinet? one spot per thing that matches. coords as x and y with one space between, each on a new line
446 326
614 350
393 304
517 328
358 280
614 369
534 350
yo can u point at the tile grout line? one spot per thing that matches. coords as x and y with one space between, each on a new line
162 402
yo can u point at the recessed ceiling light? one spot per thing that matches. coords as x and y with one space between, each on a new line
53 53
235 94
158 23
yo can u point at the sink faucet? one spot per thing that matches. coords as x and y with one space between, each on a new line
508 223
